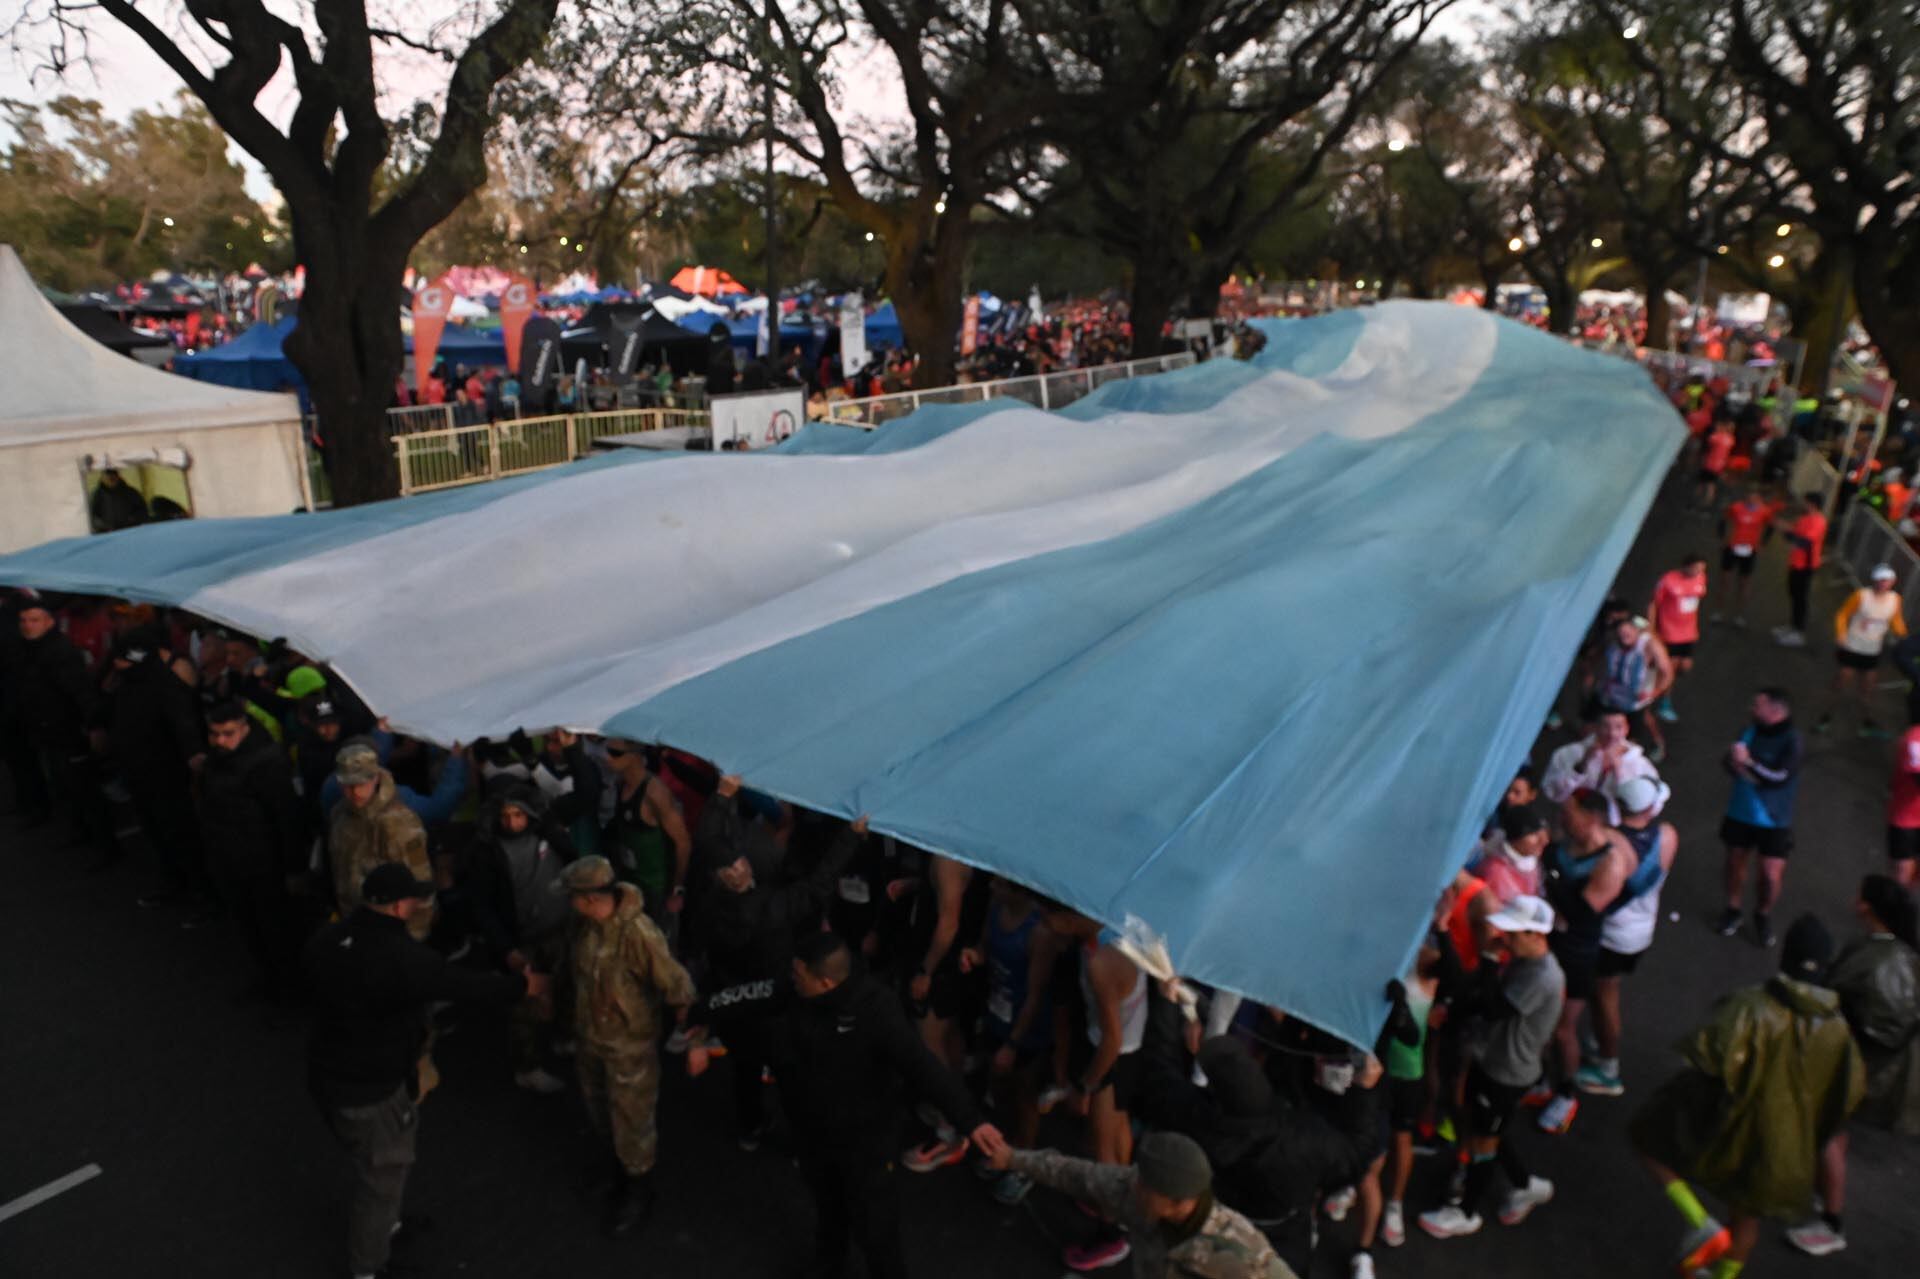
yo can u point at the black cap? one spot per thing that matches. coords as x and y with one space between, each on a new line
390 882
1808 949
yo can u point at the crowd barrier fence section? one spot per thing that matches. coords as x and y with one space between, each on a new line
1042 390
1866 539
447 458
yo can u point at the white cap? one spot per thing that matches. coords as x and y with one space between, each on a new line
1642 794
1883 573
1523 915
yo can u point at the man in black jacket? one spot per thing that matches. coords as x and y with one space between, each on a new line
153 737
257 841
845 1056
51 698
372 984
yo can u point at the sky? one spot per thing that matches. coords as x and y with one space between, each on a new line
127 76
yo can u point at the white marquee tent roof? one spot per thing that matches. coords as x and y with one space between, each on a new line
63 385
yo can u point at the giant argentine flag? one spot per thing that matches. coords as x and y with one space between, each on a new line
1246 650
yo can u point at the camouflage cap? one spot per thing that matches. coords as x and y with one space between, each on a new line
587 875
356 763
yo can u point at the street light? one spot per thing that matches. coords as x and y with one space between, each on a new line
1396 145
940 205
579 248
1722 250
523 248
1359 284
1516 244
1784 230
869 237
1777 261
1630 32
1596 242
563 241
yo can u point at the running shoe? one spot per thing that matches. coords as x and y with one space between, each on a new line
539 1081
1704 1245
1558 1115
1874 732
1450 1222
1658 754
1729 922
935 1154
1591 1079
1523 1201
1051 1096
1361 1267
1763 930
1541 1094
1665 712
1393 1225
1741 621
1340 1203
1444 1131
1553 719
677 1041
1787 637
1816 1238
1098 1255
1718 617
1010 1188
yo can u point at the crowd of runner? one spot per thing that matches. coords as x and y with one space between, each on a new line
637 911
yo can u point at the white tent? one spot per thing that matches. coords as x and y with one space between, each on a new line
71 405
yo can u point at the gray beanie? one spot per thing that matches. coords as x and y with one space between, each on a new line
1173 1165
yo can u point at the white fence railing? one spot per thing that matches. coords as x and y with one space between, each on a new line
1042 390
1866 539
459 455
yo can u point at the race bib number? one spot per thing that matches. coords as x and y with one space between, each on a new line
999 1007
1691 604
855 889
1742 551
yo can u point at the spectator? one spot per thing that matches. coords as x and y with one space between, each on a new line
1765 763
257 843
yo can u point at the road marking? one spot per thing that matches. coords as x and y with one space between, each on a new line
34 1198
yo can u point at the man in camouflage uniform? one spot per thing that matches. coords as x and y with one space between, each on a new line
370 826
623 975
1165 1203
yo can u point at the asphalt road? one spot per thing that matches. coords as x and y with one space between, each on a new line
123 1046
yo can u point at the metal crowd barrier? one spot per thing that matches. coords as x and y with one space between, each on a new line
1866 539
459 455
1042 390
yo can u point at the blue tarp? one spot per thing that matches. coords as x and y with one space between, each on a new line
253 361
1246 652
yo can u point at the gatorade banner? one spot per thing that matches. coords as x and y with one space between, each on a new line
431 306
516 308
970 326
624 343
539 354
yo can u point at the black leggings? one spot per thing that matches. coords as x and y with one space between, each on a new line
1799 583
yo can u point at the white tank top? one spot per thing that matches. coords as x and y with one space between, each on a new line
1629 930
1133 1008
1867 627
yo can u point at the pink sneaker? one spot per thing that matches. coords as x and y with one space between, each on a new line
1098 1256
935 1154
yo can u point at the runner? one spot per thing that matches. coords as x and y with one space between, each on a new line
1715 452
1746 524
1634 672
1675 611
1765 764
1627 930
1587 878
1860 634
1602 760
1807 535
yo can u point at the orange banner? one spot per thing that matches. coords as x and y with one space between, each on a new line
430 308
516 307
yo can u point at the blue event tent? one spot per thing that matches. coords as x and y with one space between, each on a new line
253 360
1245 651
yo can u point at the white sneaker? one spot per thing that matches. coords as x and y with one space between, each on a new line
1790 639
1393 1225
1340 1203
1361 1267
1450 1222
677 1041
1816 1238
538 1080
1537 1191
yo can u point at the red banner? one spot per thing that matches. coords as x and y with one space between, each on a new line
430 308
970 326
516 307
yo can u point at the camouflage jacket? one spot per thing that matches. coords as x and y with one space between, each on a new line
1227 1245
386 830
622 974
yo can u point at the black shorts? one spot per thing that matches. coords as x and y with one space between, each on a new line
1490 1105
1768 841
1681 650
1406 1103
1903 844
1614 964
1578 965
1707 477
953 995
1124 1079
1852 661
1741 564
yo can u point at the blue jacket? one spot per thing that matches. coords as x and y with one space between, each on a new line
1767 799
432 810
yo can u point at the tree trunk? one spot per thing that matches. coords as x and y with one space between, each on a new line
347 346
1156 287
1560 304
927 284
1490 287
1659 311
1822 329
